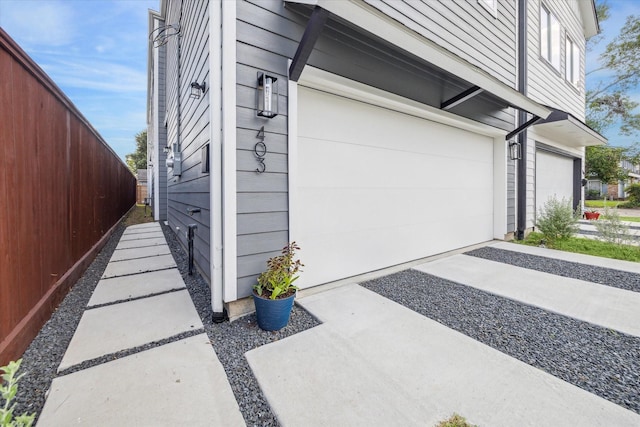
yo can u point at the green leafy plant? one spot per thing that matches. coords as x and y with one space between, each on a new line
592 194
277 280
633 196
455 421
557 220
612 229
8 390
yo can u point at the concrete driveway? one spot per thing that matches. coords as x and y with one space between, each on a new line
375 362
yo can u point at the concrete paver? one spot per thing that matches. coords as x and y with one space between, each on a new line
139 265
147 251
109 329
142 236
594 303
141 243
177 384
375 362
134 286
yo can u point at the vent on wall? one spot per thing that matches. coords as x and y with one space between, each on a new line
204 158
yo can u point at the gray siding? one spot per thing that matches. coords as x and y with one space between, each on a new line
268 33
465 28
546 84
191 189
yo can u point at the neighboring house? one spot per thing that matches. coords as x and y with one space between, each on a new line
141 186
616 190
397 132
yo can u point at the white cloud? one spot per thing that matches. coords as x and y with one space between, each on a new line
50 23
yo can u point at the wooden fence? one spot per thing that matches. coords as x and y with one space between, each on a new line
62 191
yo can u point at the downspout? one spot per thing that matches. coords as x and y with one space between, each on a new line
522 119
177 148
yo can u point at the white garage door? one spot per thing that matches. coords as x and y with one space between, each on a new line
377 187
554 177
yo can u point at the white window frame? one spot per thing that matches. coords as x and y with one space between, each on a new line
491 6
572 62
550 40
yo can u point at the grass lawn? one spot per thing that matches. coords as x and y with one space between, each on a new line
588 247
138 216
630 218
602 203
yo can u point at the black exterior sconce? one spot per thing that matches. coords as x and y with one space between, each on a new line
267 95
515 150
197 89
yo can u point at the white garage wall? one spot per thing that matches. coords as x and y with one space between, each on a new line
554 177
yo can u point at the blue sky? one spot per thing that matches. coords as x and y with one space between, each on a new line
96 52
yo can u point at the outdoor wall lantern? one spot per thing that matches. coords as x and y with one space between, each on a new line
267 95
197 89
165 150
515 150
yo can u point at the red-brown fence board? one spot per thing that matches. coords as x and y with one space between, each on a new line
62 189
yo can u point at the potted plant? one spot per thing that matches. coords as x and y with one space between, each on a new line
592 214
274 293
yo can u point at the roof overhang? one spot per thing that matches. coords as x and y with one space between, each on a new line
589 17
567 129
368 18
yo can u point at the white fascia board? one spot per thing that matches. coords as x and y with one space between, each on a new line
370 19
328 82
589 18
229 132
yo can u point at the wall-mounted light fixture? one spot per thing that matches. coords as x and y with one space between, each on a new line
515 150
267 95
197 89
165 150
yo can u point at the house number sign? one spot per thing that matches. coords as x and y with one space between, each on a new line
260 150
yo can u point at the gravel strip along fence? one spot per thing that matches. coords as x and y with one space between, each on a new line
232 340
599 360
43 356
589 273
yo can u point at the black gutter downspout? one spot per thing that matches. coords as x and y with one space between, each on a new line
521 204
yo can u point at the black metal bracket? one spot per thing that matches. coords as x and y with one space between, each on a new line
191 211
520 129
311 34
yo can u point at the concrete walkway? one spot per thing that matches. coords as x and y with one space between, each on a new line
141 300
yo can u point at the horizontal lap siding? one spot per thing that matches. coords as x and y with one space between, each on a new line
464 28
266 38
546 84
191 189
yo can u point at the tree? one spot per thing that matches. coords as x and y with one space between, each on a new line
603 163
138 159
608 102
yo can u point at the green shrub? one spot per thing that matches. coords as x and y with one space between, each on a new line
612 229
455 421
633 196
592 195
557 220
8 391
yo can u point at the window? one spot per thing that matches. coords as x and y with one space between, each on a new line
490 5
572 62
549 37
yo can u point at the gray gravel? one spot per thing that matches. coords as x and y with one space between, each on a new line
230 340
603 276
44 354
596 359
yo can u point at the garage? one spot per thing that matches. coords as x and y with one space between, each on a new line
554 177
377 186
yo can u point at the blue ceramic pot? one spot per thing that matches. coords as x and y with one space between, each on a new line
273 314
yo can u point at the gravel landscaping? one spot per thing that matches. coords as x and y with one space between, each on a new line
229 340
589 273
596 359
